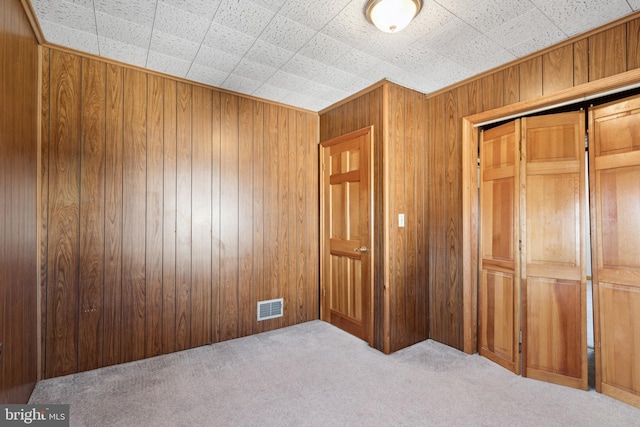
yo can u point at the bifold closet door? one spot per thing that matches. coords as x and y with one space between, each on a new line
553 249
615 182
499 292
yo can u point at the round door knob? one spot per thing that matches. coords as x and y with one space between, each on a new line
362 249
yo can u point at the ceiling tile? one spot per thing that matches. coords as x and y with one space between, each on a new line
324 92
339 79
66 14
140 11
228 40
356 62
521 28
240 84
119 51
537 42
217 59
253 70
576 16
170 45
273 5
65 36
243 16
209 76
431 17
272 92
303 67
123 31
301 100
268 54
285 80
167 64
314 14
180 23
287 34
324 49
635 4
203 8
488 14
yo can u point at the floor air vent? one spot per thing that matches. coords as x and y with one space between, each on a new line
270 309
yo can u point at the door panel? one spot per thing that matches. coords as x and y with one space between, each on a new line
499 293
615 141
346 224
553 230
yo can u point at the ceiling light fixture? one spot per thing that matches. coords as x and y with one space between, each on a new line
392 16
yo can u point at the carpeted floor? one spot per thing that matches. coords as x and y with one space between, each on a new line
314 374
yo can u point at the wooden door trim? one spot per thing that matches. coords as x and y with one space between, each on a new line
323 197
470 137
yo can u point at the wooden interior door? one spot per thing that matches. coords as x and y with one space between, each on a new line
554 253
499 292
346 228
615 176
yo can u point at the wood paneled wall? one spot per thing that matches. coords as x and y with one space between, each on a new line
425 171
169 210
400 288
601 53
18 203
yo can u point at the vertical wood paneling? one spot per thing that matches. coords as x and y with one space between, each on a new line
216 214
512 85
633 44
245 218
92 182
112 298
259 208
557 69
437 254
169 177
453 215
608 53
411 217
271 235
292 290
422 196
64 222
19 179
183 217
313 207
154 216
44 203
134 212
581 62
303 214
530 79
229 169
201 202
283 218
493 91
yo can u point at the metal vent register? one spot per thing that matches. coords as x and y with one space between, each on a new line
270 309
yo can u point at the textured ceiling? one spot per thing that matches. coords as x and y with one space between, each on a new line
311 54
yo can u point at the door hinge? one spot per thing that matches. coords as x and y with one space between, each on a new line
520 343
586 141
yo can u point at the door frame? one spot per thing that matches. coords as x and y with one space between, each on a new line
470 197
372 249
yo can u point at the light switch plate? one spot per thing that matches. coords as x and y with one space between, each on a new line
400 220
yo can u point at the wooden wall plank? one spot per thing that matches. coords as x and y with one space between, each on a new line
259 210
608 53
154 215
114 140
283 214
201 201
493 91
169 199
245 217
453 214
581 62
422 196
134 210
557 69
216 214
183 217
44 203
530 79
633 44
313 208
4 223
512 85
229 231
92 209
436 223
64 207
411 217
302 216
291 183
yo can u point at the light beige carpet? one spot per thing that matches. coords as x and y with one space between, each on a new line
314 374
